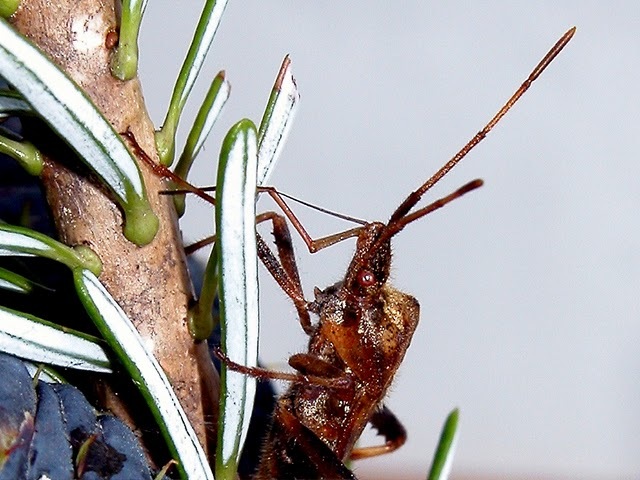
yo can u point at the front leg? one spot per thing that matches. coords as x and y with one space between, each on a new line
284 272
321 375
388 425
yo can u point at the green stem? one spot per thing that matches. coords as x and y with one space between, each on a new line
201 321
277 120
124 64
445 450
205 31
207 115
24 153
14 282
23 241
8 7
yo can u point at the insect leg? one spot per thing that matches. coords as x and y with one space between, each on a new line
387 424
285 271
194 247
161 170
312 244
339 383
308 364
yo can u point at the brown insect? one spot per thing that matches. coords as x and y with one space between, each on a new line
363 331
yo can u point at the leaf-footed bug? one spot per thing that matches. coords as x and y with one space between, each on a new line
363 331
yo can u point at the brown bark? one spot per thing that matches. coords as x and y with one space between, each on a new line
150 283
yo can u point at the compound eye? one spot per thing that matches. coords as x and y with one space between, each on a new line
366 278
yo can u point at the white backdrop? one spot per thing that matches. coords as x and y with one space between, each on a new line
529 286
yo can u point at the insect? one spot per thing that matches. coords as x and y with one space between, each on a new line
363 331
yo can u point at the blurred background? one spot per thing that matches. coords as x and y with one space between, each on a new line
529 286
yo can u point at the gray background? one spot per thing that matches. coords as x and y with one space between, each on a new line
529 286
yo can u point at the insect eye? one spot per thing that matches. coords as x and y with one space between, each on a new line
366 278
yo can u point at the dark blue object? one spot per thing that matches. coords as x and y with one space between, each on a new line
17 413
51 452
46 428
118 436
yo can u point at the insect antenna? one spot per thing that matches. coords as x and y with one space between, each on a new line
415 196
333 213
261 189
394 227
401 217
